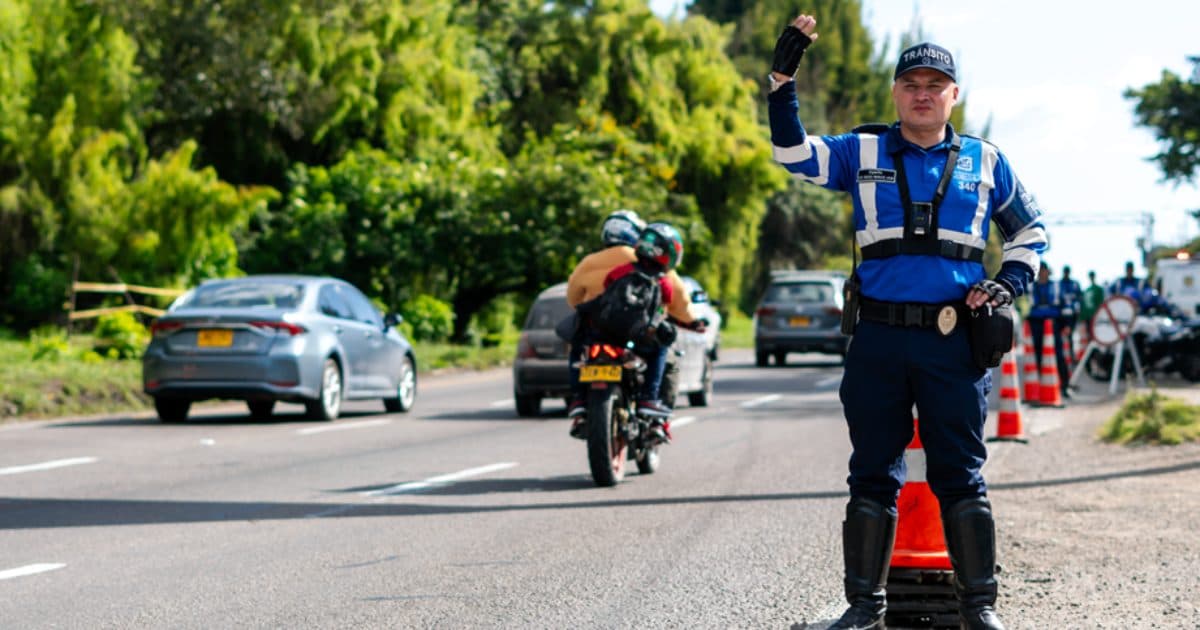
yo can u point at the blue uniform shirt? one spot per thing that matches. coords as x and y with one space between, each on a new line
983 189
1069 295
1046 300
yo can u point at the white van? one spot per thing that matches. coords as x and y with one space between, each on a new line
1180 284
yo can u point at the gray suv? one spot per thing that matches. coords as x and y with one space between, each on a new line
800 311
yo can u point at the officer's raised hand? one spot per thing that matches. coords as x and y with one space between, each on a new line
789 48
986 291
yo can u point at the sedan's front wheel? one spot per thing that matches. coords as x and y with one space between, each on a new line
406 389
329 404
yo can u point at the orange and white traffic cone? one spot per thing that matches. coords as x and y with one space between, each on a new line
1051 395
920 543
1033 385
920 583
1008 424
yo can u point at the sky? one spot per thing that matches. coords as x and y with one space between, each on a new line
1050 75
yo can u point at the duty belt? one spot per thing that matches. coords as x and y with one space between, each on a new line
904 314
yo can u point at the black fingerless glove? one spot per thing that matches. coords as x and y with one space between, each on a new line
789 48
998 292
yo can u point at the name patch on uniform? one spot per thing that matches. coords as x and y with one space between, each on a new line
886 175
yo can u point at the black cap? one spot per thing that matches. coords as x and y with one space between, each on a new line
925 55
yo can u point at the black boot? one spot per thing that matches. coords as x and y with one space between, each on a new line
867 536
971 542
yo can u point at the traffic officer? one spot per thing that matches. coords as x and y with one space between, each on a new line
1070 294
923 197
1128 285
1047 304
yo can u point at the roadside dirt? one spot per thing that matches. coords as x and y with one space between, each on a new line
1093 535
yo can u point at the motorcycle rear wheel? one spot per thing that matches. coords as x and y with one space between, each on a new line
606 445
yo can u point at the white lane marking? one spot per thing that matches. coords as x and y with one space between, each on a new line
829 380
684 421
30 569
507 402
207 442
58 463
761 400
411 486
343 426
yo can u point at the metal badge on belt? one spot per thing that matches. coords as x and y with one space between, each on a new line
946 320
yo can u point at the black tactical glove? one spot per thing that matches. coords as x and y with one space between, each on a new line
789 48
998 293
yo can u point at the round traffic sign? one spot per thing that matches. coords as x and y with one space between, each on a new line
1113 320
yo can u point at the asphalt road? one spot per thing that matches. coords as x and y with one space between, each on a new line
457 514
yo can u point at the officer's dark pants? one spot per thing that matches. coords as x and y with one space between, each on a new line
1037 327
888 369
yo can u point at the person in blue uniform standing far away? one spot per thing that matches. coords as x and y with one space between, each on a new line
927 323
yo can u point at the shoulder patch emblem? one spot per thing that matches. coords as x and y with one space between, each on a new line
885 175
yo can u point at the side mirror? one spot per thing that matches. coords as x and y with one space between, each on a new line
391 320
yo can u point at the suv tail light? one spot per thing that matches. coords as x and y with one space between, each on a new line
525 347
833 310
765 311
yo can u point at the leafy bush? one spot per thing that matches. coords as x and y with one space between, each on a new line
428 318
120 336
1153 417
495 322
48 343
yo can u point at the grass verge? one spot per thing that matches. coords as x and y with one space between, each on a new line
1151 417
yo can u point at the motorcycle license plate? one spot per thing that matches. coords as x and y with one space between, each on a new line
214 338
600 373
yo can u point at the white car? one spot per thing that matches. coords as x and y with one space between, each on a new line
704 307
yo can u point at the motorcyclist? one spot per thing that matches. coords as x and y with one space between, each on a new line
588 281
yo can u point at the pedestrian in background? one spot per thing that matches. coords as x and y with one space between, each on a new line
1070 295
1089 302
924 198
1046 304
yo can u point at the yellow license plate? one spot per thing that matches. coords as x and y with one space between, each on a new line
600 373
800 321
214 338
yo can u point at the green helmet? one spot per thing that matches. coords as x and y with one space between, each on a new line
661 244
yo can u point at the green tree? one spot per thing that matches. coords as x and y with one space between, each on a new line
1171 108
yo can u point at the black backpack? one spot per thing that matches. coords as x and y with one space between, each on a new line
628 307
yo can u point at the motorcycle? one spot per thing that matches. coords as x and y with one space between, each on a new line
1164 345
615 431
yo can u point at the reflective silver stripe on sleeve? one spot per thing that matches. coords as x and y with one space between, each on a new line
791 155
1018 249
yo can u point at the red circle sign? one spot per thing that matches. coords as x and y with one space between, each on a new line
1113 320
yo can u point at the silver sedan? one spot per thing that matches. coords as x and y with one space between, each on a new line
263 339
